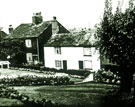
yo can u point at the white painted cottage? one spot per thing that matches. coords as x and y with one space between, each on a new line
71 51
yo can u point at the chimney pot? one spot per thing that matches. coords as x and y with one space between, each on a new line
54 18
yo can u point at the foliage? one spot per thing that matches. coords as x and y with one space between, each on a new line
14 49
42 69
72 71
116 35
14 94
107 76
26 80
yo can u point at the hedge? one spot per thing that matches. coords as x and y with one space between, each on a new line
72 72
42 68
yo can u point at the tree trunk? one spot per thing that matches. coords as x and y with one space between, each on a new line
126 81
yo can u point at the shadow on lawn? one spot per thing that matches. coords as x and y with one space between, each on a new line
112 99
116 99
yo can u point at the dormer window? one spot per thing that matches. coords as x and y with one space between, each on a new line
28 43
57 50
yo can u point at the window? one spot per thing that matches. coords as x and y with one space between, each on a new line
57 50
88 64
29 57
87 51
58 64
28 43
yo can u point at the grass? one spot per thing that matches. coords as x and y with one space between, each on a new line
80 94
8 72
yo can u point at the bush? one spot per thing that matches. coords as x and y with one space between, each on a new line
106 76
72 72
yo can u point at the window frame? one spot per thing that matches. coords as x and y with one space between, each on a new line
87 49
84 63
57 50
31 57
58 63
28 43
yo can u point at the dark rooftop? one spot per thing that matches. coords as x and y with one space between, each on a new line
70 39
29 30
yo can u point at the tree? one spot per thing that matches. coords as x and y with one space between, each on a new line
15 49
116 34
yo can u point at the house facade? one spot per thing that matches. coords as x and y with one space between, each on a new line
66 51
35 35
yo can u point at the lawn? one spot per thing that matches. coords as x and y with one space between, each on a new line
79 94
69 95
13 73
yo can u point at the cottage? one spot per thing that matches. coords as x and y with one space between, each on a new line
71 51
35 35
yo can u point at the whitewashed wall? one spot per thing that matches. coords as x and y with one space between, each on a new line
72 55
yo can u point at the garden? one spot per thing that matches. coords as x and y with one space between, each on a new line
25 77
28 87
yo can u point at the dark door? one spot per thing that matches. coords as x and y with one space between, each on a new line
80 64
65 64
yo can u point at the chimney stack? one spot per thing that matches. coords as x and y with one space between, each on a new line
10 29
37 18
55 25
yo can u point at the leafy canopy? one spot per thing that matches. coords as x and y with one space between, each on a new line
14 48
116 34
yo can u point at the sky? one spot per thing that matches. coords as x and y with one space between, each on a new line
70 13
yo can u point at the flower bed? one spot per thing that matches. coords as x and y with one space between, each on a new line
24 80
10 93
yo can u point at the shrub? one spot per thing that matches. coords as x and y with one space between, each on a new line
106 76
72 72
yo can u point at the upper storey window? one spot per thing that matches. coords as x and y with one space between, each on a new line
87 51
28 43
57 50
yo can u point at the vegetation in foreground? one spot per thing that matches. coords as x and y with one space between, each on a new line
116 40
71 95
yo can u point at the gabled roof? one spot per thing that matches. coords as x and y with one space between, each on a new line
70 40
29 30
